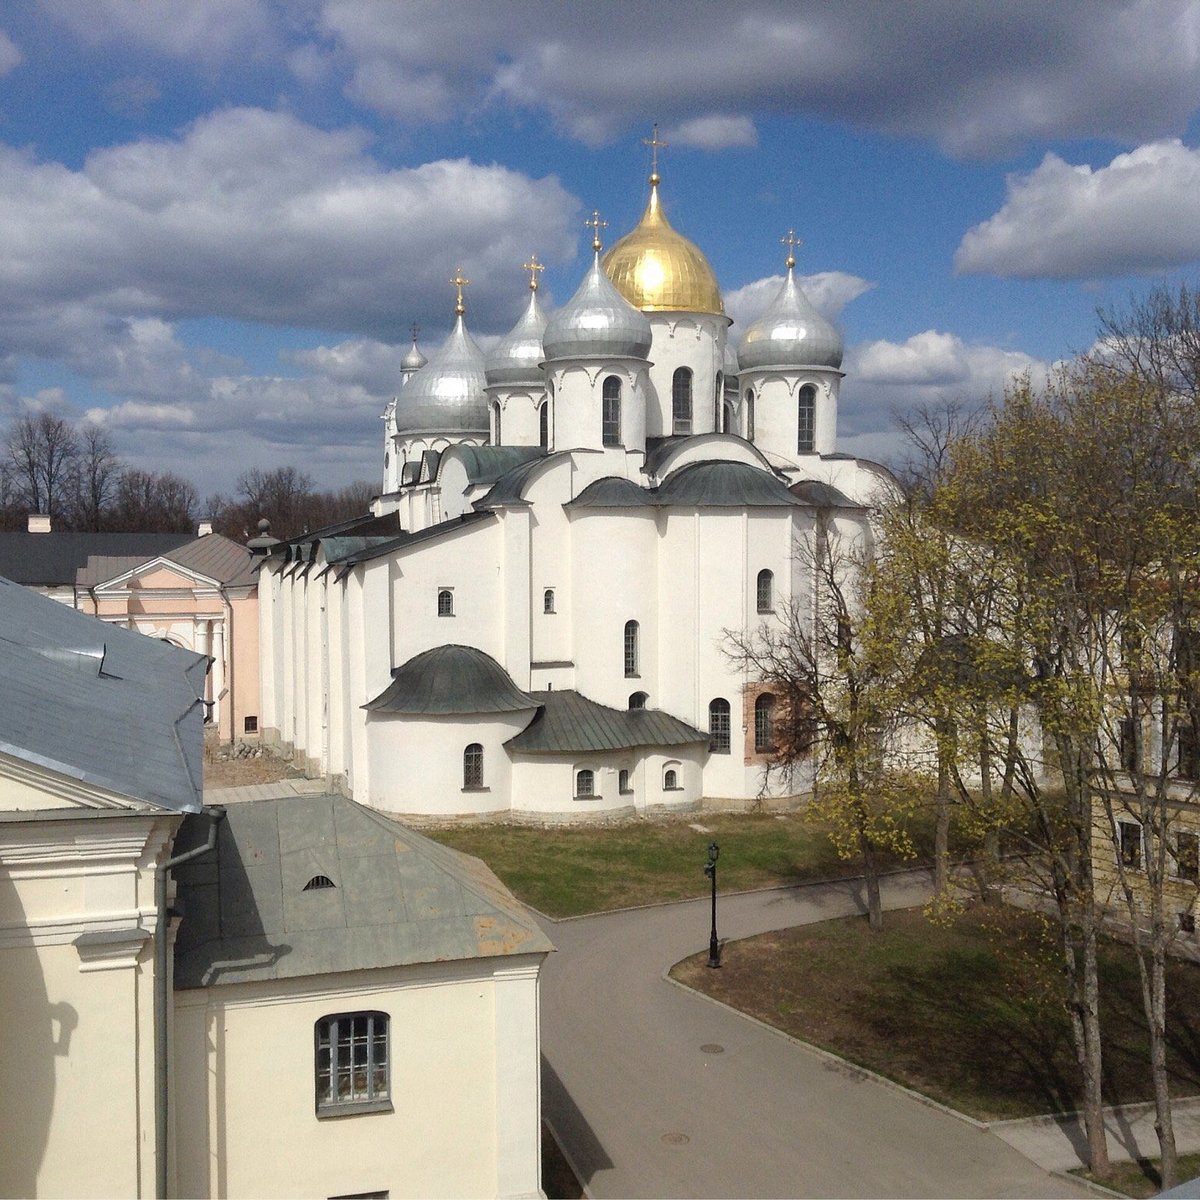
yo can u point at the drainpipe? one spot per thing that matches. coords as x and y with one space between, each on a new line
162 999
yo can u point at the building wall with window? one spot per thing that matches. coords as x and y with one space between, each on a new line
463 1097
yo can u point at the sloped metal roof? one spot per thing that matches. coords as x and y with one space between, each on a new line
723 485
613 492
569 723
451 679
821 495
99 703
398 898
486 464
52 559
214 556
510 487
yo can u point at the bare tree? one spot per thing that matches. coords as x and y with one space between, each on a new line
95 479
41 451
158 502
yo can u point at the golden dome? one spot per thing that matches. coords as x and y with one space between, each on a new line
656 269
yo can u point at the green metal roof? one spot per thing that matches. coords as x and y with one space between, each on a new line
821 495
569 723
397 897
486 464
723 485
613 492
451 679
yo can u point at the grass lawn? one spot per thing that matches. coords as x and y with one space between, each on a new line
970 1014
565 871
1141 1178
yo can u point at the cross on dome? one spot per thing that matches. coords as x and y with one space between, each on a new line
791 242
534 268
459 282
595 224
415 329
655 143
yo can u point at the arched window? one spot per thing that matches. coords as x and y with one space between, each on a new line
445 607
681 401
585 785
670 780
764 724
544 425
749 414
637 700
718 726
718 396
728 419
611 421
631 649
496 438
548 600
766 592
806 419
623 783
473 766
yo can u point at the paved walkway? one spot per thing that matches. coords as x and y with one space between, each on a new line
655 1091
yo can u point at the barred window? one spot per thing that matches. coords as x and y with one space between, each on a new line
637 700
764 724
544 426
473 766
718 726
352 1063
681 401
623 783
611 421
806 419
631 649
670 781
585 784
445 605
766 591
548 600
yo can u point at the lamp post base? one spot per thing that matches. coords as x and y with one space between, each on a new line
714 952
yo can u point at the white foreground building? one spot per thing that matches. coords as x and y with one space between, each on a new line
533 621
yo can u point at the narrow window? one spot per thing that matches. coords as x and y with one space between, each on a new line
496 438
806 419
548 600
670 781
636 701
764 724
1188 762
585 785
544 426
631 649
718 726
352 1062
718 395
1127 746
728 420
1131 844
611 426
473 766
749 414
445 602
1187 856
766 592
681 401
623 783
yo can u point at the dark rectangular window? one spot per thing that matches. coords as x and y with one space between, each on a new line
1187 856
1188 762
1131 844
250 725
1127 743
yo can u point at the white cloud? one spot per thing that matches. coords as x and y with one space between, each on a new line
1139 214
10 54
977 77
830 292
714 132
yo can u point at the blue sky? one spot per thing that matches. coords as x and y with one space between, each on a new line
220 218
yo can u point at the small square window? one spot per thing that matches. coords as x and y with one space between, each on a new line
250 725
352 1064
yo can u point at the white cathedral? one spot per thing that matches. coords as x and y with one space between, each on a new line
532 621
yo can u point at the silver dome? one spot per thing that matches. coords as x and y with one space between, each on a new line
597 322
791 333
516 357
446 395
730 365
414 360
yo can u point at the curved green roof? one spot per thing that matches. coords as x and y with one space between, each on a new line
448 680
612 492
723 485
569 723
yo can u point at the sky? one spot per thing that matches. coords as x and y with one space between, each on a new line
220 218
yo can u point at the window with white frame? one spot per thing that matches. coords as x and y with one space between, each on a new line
631 649
548 601
610 432
681 401
445 602
352 1063
473 766
585 784
765 590
806 419
719 726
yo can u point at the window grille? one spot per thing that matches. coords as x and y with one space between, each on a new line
637 700
681 401
548 600
806 419
670 781
318 883
473 766
352 1062
445 603
764 724
631 649
719 726
585 785
611 421
766 592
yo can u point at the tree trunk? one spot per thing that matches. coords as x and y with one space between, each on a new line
941 834
871 875
1093 1100
1164 1124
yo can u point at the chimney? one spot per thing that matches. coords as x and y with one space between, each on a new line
39 522
205 527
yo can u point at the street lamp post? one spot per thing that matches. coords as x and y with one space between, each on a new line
710 869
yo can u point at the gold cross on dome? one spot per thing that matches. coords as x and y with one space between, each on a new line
534 268
656 144
791 242
595 225
459 282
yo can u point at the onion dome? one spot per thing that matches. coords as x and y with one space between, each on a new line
597 322
446 395
791 333
517 357
659 270
730 365
414 360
